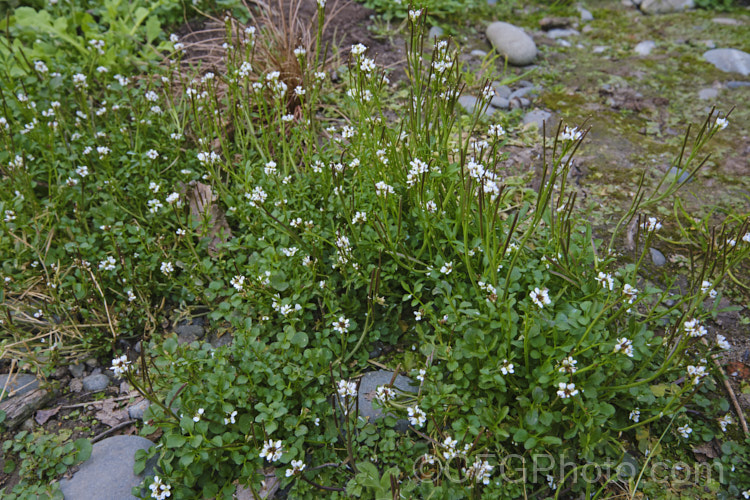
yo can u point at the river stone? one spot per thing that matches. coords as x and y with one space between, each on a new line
500 102
188 332
665 6
522 92
585 14
108 473
737 85
657 257
682 175
22 383
77 370
562 33
137 410
729 60
95 383
512 42
478 53
501 90
706 94
537 116
469 103
644 48
726 20
369 384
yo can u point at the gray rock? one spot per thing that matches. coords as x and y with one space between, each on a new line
491 2
726 20
500 102
585 14
682 175
657 257
92 362
469 103
435 32
729 60
665 6
216 341
138 409
501 90
563 43
709 44
96 371
523 91
189 332
736 84
95 383
108 473
562 33
77 370
537 116
478 53
369 384
512 42
599 49
20 383
706 94
137 347
644 48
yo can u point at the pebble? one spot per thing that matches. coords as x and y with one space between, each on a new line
665 6
726 20
95 383
500 102
706 94
77 370
599 49
501 90
368 385
563 43
737 85
537 116
137 410
512 42
469 103
478 53
92 362
562 33
682 175
585 14
523 91
189 332
108 473
644 48
657 257
729 60
21 382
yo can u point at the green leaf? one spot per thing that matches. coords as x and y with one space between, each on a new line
84 448
175 441
9 467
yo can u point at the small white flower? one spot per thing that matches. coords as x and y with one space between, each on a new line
568 365
152 154
167 268
540 297
697 372
347 389
358 49
725 421
507 367
229 419
180 232
625 346
447 268
722 123
154 205
431 207
159 490
173 198
566 390
289 252
198 415
131 295
635 415
630 292
650 225
108 264
684 431
414 14
272 450
238 282
82 170
722 342
421 374
605 280
359 218
297 467
300 51
79 80
120 365
694 329
571 134
417 417
384 394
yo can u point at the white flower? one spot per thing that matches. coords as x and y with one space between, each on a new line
725 421
108 264
722 123
447 268
746 239
571 134
414 14
152 154
342 325
431 207
180 232
694 329
507 367
358 49
289 252
300 51
120 365
152 96
540 297
605 280
566 390
347 389
684 431
697 372
297 467
496 131
131 295
229 419
40 67
197 416
722 342
383 189
630 292
706 288
172 198
479 472
238 282
450 447
651 224
359 217
167 268
272 450
82 170
10 215
159 490
421 374
322 4
568 365
154 205
79 80
417 417
635 416
384 394
625 346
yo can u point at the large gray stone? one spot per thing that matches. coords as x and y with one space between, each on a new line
19 384
538 116
729 60
95 383
665 6
108 473
368 386
469 103
657 257
77 370
137 410
512 42
188 332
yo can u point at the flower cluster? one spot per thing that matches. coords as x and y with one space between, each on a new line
120 365
272 450
479 471
651 225
566 390
159 490
694 329
417 417
625 346
605 280
540 297
297 467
